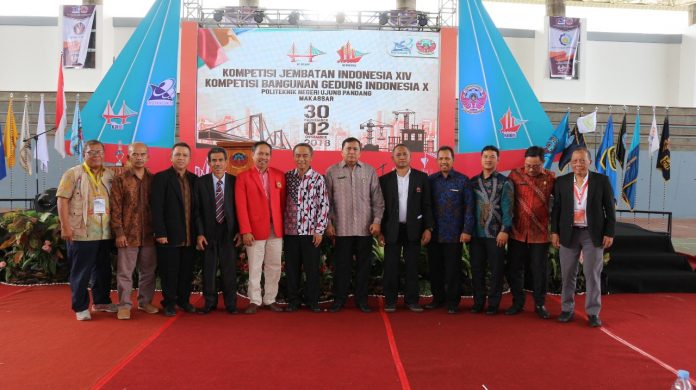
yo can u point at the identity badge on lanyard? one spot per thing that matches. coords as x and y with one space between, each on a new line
579 214
99 205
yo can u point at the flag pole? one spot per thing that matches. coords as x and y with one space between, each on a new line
664 182
15 151
651 172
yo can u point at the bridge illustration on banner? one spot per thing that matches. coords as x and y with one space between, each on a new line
311 53
119 119
415 137
252 129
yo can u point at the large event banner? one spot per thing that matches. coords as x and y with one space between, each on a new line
77 28
564 39
291 86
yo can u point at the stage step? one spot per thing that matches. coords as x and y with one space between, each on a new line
639 281
643 260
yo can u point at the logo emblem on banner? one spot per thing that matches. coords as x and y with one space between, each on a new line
565 39
308 55
510 125
426 46
348 55
473 99
163 93
402 48
118 119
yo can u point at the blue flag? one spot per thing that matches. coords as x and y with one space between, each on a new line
574 140
556 142
3 168
631 169
76 139
605 161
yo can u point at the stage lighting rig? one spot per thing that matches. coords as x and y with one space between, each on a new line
217 15
294 18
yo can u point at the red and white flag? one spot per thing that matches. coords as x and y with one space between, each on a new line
61 117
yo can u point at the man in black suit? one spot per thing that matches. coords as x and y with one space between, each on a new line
407 224
582 221
172 205
218 232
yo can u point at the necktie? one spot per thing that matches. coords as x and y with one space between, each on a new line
219 200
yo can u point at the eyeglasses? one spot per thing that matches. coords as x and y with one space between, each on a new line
93 153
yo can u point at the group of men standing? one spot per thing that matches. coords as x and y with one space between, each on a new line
159 221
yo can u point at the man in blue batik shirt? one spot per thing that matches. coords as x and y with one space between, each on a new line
453 211
494 199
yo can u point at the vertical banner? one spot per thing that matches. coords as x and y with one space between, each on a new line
564 39
77 27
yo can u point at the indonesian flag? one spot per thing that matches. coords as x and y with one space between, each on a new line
61 119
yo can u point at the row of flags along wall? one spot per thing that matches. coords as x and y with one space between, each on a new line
611 155
23 147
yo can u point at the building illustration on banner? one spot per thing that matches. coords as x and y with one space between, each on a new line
416 138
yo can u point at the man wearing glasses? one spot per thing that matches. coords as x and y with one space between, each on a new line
84 212
529 239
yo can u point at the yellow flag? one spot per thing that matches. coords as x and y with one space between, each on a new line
10 140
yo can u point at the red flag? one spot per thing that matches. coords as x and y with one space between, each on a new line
61 119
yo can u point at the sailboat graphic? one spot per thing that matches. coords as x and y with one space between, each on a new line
311 53
349 55
497 104
119 119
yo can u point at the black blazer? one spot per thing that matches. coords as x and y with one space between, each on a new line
167 205
419 214
601 215
205 203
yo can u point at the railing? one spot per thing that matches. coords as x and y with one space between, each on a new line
642 223
9 203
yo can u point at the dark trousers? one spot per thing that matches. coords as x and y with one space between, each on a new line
485 253
175 266
300 253
346 247
89 258
445 267
522 255
221 252
390 279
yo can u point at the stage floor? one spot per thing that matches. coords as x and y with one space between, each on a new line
645 338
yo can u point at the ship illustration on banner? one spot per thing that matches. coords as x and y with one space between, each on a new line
496 103
349 55
143 81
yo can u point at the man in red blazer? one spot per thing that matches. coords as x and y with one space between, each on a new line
260 196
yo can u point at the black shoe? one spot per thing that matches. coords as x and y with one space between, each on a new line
292 307
594 321
514 310
315 308
389 308
414 307
231 309
433 305
364 308
206 309
565 316
477 308
187 307
336 307
541 311
492 310
169 311
452 310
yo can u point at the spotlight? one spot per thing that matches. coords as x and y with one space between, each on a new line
383 18
217 16
294 17
422 19
258 16
340 18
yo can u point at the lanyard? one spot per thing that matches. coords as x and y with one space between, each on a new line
580 194
92 178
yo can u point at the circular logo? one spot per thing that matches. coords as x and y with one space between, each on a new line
426 46
79 28
238 160
473 99
564 39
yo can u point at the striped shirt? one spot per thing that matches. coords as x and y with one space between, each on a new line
355 198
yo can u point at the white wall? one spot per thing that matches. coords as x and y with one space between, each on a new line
611 72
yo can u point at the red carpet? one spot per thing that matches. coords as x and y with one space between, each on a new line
44 347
